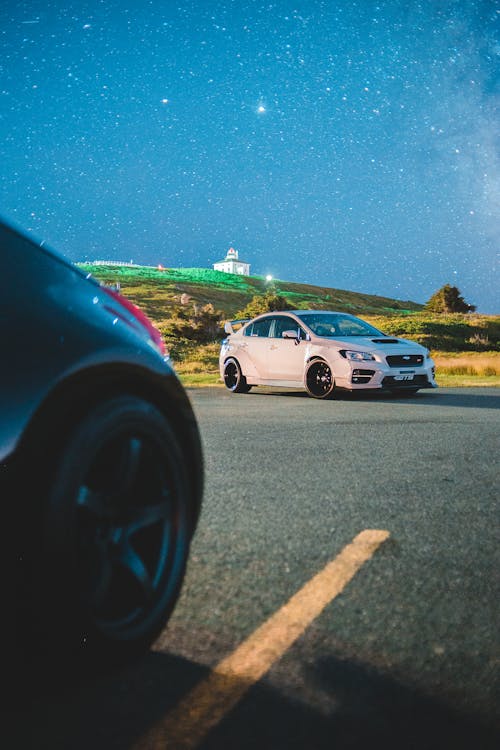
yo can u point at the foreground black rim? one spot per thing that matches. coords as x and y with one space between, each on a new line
231 375
127 532
319 380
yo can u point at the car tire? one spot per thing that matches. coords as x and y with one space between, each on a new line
319 379
234 380
115 536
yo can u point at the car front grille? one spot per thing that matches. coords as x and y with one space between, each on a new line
404 360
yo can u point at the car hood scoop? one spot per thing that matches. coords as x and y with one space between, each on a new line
386 341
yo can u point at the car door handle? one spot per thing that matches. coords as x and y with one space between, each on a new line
273 346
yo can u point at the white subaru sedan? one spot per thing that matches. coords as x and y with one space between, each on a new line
320 351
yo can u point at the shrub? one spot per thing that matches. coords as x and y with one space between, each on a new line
262 303
198 324
448 300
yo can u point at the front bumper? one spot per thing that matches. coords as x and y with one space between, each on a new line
376 375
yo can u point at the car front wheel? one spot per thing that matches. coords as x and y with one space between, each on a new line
319 381
234 379
115 534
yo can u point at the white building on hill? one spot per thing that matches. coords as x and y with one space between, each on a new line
231 264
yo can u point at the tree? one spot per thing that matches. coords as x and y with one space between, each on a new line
262 303
448 300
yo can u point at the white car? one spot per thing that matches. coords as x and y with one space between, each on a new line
320 351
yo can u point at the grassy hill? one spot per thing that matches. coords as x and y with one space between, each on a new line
157 291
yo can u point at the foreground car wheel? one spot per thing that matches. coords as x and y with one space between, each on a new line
319 380
116 534
234 379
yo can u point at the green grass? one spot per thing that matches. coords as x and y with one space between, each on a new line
452 332
468 381
200 380
467 368
158 292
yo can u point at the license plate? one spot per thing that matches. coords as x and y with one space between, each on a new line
406 376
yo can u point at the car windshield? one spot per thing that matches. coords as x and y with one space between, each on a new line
331 325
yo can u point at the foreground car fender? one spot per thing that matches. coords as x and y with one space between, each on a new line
101 468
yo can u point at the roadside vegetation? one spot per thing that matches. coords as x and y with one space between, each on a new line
456 332
467 368
189 306
464 346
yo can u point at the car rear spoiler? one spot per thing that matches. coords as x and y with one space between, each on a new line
231 326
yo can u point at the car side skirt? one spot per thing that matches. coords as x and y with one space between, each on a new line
342 385
278 383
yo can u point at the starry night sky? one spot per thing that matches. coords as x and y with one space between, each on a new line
348 144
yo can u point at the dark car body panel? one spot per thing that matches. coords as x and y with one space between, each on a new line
65 343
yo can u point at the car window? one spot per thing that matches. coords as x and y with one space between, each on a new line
351 327
282 324
259 328
328 325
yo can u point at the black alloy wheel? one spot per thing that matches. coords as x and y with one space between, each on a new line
116 534
234 379
319 380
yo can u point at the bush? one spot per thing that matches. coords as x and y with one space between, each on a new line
197 324
262 303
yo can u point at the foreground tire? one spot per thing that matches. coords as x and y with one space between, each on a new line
319 380
234 380
115 535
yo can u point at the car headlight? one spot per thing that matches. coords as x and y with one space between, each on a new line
356 356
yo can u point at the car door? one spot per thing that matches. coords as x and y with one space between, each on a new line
286 355
256 345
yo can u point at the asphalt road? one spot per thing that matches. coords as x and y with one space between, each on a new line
405 657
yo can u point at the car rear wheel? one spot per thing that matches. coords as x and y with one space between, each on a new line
319 380
234 379
115 534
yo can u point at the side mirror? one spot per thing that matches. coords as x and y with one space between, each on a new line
289 335
228 328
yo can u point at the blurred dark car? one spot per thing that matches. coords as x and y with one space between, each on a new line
100 461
